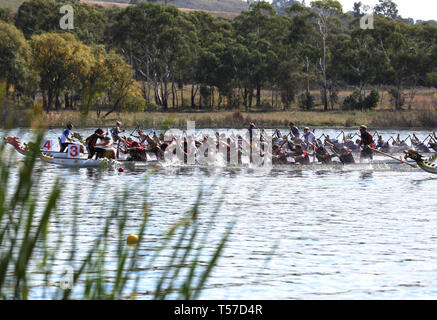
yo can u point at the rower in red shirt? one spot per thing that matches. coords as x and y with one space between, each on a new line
367 143
301 156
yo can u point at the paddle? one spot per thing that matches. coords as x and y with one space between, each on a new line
390 156
134 130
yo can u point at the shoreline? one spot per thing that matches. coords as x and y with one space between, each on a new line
380 119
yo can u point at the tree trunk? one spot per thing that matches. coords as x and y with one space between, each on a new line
212 97
182 96
258 95
173 94
49 99
193 97
44 101
325 85
398 96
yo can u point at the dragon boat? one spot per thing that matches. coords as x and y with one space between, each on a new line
23 148
427 165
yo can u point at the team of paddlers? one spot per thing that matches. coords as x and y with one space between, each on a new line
294 147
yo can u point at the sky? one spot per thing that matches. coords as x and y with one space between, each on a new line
416 9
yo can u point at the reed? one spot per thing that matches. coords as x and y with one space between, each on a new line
28 231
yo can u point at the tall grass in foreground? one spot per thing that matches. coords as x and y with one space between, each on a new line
30 246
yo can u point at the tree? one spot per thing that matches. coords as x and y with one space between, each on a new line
302 41
387 8
156 40
357 9
118 82
357 61
38 16
325 10
404 55
59 59
7 15
253 31
15 69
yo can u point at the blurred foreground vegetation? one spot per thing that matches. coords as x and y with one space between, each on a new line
33 246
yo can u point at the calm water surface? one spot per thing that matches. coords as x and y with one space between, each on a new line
331 234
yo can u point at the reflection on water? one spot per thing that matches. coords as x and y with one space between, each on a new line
328 234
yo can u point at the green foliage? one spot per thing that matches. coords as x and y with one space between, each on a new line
7 15
134 103
352 102
15 57
387 8
372 100
306 101
225 62
39 16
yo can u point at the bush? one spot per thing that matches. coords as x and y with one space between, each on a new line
135 103
372 100
151 107
306 101
352 102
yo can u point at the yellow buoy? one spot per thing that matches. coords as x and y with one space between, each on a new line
132 239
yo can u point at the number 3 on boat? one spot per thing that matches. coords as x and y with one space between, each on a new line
73 151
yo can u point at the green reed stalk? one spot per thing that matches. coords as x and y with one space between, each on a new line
25 228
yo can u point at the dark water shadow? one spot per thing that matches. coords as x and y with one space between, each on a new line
420 181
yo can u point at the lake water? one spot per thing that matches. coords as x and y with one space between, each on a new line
298 234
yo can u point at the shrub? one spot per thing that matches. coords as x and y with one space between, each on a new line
151 107
352 102
306 101
372 100
135 103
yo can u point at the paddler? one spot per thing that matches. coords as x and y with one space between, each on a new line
116 131
300 155
308 137
367 143
105 148
294 130
321 154
91 143
66 137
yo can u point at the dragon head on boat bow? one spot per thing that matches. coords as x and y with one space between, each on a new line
426 165
413 154
15 142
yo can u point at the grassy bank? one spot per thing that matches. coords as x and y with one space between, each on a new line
426 118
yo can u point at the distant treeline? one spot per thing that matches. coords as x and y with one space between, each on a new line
149 57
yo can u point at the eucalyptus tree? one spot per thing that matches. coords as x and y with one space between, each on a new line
358 61
15 69
326 11
402 54
156 40
302 42
59 59
387 8
214 60
253 30
38 16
